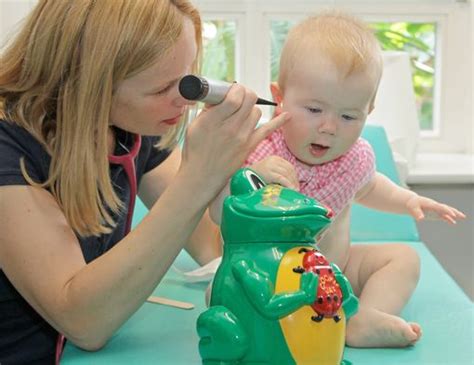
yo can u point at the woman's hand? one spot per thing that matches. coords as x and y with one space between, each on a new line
421 207
275 169
221 137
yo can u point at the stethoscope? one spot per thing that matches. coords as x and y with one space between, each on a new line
127 162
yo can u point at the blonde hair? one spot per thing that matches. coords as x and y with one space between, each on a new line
345 40
58 79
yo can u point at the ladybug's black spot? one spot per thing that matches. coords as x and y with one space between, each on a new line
317 318
298 270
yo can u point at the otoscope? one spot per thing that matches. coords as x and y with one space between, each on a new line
198 88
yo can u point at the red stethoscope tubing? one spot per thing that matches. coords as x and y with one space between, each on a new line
127 161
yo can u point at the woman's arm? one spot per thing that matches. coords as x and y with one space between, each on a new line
205 243
41 256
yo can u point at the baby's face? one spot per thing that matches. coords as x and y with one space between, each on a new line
328 111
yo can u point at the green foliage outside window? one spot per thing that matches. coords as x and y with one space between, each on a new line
418 39
219 50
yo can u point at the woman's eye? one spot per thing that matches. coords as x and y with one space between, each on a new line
348 117
164 90
313 110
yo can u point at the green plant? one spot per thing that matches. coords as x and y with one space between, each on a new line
418 39
219 50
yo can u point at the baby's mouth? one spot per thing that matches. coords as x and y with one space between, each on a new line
318 150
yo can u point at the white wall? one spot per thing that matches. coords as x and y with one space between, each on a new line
455 56
11 13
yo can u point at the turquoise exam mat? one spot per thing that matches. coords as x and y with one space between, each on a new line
158 334
163 335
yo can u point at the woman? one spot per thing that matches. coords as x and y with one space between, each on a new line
87 88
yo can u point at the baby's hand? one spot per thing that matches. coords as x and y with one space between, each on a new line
421 207
275 169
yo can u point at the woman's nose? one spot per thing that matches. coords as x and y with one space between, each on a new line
179 101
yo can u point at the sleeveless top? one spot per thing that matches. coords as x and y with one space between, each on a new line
25 337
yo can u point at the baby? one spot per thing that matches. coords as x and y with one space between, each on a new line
330 69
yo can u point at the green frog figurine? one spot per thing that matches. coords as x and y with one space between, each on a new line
275 298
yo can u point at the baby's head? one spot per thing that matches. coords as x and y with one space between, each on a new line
330 69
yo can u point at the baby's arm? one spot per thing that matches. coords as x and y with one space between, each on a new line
382 194
273 170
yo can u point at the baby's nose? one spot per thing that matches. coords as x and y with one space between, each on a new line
328 125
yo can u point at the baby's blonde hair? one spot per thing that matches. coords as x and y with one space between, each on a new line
345 40
58 79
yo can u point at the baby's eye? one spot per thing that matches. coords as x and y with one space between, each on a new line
348 117
313 110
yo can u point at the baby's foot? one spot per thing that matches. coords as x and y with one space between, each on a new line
372 328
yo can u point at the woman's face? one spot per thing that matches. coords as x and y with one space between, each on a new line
149 103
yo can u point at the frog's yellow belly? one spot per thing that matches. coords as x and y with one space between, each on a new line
309 342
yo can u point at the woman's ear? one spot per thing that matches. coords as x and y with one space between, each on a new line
277 97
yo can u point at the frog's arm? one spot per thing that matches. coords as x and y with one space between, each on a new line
259 291
350 303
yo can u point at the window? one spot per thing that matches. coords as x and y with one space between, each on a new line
242 40
418 39
219 49
435 33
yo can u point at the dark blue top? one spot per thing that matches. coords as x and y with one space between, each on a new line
25 338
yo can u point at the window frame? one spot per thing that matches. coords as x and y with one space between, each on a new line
452 113
454 104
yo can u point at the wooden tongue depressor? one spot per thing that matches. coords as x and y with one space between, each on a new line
170 302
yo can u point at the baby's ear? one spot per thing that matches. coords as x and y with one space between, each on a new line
277 97
371 108
276 92
372 105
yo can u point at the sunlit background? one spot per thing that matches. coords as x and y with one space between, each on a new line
418 39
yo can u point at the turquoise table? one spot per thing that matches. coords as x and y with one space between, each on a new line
157 334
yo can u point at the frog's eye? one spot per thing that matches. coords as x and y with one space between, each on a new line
254 180
245 181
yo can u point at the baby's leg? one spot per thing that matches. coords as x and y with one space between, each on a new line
383 277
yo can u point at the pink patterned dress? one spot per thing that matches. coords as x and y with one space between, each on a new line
334 183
